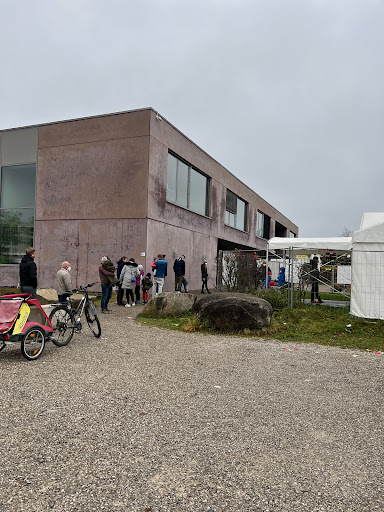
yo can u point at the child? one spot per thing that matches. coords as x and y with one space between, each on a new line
146 285
139 278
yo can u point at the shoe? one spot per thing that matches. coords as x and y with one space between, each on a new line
133 304
202 292
209 292
314 302
109 310
127 306
104 311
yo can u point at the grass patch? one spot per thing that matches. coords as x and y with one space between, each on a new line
187 322
307 324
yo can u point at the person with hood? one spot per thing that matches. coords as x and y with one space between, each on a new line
107 280
179 269
147 285
281 277
63 282
28 273
138 283
128 277
120 293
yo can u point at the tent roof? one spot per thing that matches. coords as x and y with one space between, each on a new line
371 219
373 233
342 243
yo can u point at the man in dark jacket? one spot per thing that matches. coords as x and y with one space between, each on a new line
120 294
28 273
179 269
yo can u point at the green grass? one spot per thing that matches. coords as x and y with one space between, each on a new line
307 324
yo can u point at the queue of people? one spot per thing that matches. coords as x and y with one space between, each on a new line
126 278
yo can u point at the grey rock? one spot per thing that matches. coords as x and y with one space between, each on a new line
234 312
170 303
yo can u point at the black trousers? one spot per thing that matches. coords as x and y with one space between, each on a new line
129 293
315 291
120 295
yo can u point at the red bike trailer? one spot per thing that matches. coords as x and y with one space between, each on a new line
23 320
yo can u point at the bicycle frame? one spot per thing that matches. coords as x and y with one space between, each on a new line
65 325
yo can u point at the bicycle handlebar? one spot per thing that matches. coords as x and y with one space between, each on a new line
83 288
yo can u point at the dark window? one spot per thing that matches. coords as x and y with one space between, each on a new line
263 223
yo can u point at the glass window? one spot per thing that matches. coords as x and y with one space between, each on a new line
198 193
235 211
240 216
292 235
171 178
182 184
260 224
17 212
186 186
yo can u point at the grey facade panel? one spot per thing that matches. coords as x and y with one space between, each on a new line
19 146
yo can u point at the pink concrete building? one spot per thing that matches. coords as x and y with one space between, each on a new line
121 184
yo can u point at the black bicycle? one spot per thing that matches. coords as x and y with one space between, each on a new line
66 320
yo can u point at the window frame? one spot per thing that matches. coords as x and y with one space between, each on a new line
232 209
33 208
191 168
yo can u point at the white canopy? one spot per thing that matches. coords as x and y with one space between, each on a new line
341 243
367 290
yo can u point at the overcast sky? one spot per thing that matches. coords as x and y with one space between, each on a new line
288 95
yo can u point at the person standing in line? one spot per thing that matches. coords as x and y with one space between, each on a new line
139 278
153 268
161 272
204 276
120 294
315 275
63 282
179 269
147 285
128 280
185 284
107 280
28 273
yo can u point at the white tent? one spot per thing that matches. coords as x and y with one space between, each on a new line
310 245
367 291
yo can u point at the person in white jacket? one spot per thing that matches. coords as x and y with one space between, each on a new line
63 282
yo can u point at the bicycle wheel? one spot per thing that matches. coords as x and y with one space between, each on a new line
92 320
63 326
33 343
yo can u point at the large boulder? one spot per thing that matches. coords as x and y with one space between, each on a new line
170 303
233 312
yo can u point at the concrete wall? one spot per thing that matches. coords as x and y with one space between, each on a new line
83 243
91 193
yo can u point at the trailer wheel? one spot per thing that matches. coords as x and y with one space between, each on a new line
33 343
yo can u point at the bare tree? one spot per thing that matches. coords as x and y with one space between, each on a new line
346 231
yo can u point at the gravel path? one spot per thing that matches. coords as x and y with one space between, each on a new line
150 420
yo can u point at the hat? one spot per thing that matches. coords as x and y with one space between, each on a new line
104 258
140 267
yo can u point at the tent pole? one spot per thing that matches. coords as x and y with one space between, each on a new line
291 259
266 268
